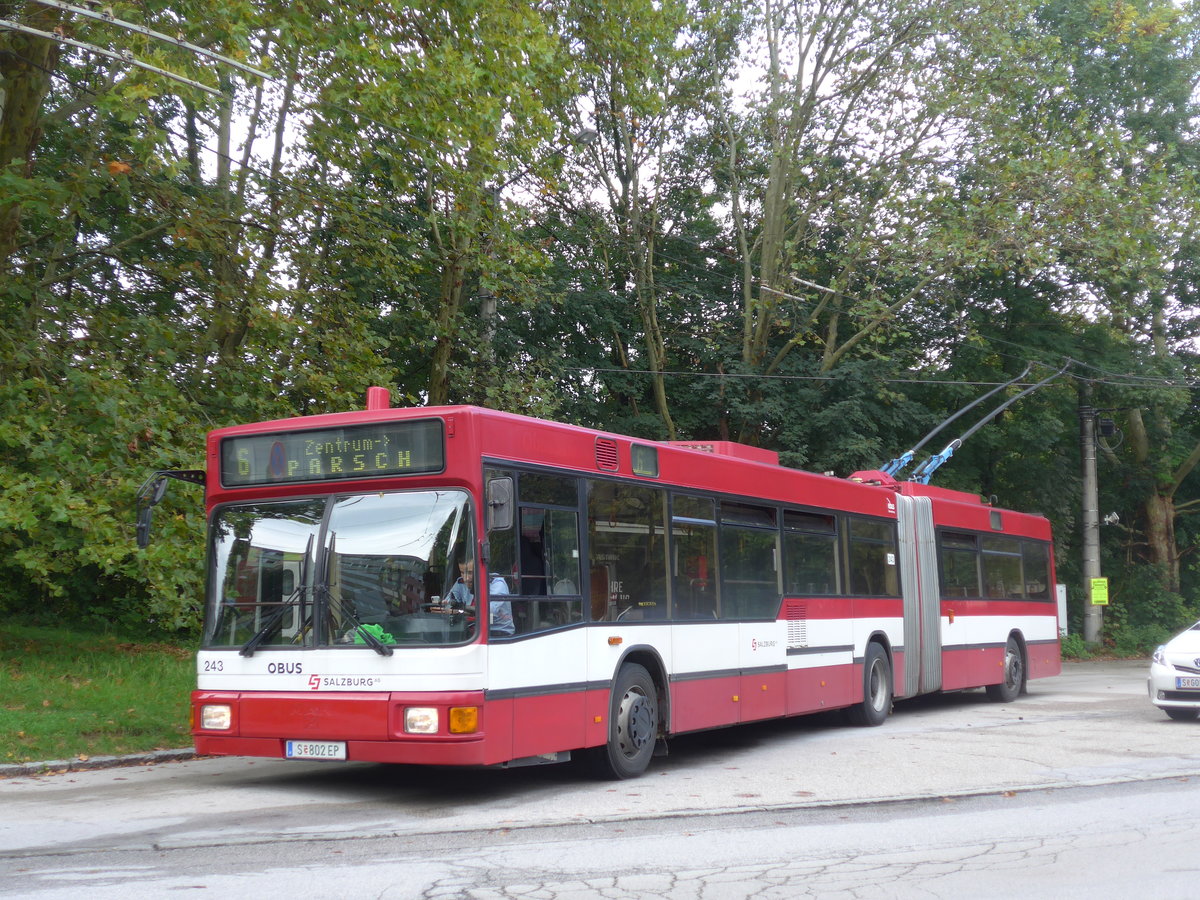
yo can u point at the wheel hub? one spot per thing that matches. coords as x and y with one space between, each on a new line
636 727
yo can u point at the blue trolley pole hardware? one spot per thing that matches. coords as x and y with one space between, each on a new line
894 467
923 472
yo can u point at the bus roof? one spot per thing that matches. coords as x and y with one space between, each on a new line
721 467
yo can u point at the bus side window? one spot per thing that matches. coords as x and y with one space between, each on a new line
810 553
1037 569
872 558
627 565
549 555
959 554
749 553
694 558
538 556
1001 558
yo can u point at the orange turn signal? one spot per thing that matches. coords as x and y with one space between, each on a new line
464 719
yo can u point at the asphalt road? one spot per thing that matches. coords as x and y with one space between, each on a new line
183 824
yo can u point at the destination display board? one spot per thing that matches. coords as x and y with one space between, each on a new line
329 454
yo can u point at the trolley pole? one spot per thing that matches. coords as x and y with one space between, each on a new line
1093 615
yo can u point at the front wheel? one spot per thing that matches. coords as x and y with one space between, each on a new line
632 725
1181 714
1014 675
877 689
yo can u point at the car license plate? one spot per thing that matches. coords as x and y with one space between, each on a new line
1187 683
315 750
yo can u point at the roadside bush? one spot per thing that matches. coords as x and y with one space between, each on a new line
1143 613
1075 647
1139 640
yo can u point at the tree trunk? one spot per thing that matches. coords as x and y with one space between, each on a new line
26 64
1158 506
449 304
1159 510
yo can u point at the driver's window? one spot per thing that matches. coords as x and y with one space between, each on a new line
537 561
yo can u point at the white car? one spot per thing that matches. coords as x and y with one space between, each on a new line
1174 682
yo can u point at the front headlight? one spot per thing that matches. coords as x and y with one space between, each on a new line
216 717
421 720
1160 655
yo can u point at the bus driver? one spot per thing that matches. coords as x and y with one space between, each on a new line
461 596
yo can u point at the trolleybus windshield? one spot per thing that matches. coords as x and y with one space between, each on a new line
329 572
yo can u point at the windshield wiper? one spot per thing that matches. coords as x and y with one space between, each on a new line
342 610
274 620
346 614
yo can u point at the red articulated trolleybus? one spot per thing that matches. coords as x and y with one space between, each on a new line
459 586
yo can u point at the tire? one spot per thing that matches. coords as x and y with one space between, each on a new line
1181 714
1014 675
877 689
632 725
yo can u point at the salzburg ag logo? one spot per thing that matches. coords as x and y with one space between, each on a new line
316 682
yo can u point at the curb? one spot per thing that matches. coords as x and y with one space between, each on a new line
60 766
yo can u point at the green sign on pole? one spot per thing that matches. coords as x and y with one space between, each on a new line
1099 591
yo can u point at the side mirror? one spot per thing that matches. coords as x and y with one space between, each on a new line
499 504
150 494
143 527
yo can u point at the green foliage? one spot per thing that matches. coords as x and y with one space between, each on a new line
1136 641
828 273
1073 646
1140 603
75 449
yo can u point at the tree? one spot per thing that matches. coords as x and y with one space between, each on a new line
1133 69
648 72
145 298
845 207
433 105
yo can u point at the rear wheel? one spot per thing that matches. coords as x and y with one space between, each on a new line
1181 714
877 689
1014 675
632 725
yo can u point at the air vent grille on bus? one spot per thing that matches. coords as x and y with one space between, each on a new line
606 455
797 625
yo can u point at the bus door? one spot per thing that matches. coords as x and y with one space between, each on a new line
922 597
536 659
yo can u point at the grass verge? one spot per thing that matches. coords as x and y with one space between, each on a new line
69 695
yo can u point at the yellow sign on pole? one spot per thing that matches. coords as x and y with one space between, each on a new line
1099 592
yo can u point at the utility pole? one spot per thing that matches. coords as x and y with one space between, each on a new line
1093 615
